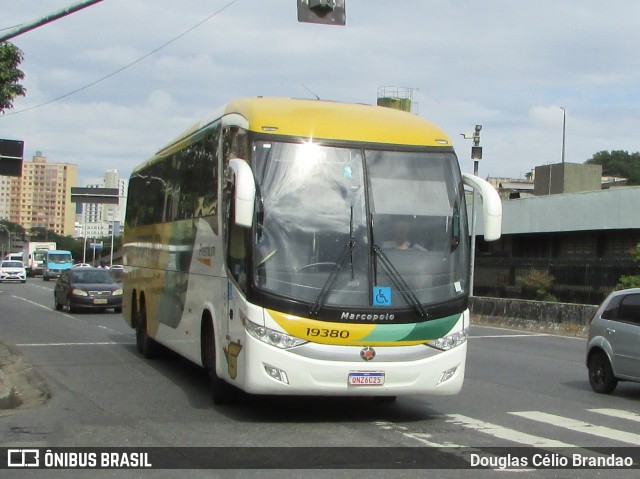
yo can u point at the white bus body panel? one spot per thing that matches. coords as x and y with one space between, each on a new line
416 369
321 377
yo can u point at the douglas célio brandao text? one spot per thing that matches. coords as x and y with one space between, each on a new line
544 460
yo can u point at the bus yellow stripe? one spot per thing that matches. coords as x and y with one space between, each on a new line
364 334
299 327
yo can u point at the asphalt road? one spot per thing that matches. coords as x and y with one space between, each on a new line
521 390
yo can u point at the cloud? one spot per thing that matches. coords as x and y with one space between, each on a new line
503 64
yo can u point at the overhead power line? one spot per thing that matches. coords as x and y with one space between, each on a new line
121 69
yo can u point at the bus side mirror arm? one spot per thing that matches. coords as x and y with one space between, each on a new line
245 192
491 206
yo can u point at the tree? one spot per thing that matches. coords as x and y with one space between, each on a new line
618 163
538 284
631 281
10 75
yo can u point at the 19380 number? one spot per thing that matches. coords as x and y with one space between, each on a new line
327 333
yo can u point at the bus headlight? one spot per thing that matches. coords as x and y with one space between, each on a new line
272 337
450 341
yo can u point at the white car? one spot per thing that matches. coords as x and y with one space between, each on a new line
13 271
82 265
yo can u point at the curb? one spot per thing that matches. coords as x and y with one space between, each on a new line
530 326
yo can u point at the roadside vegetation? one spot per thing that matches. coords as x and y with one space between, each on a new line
631 281
537 284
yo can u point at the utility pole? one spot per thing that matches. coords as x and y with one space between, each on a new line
564 130
20 29
8 240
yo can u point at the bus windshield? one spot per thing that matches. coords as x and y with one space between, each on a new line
333 229
60 258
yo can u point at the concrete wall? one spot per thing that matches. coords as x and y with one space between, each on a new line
567 178
560 318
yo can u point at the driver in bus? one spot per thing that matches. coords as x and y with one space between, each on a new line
402 238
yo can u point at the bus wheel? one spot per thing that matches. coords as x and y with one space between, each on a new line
146 346
221 391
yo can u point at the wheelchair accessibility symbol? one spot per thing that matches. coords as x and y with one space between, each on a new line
382 296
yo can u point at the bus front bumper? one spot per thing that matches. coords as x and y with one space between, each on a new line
269 370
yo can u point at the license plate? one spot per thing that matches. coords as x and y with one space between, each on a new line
99 301
366 379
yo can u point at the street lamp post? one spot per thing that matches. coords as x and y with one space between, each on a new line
84 233
8 238
113 229
564 130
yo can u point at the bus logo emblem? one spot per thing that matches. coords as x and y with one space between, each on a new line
368 353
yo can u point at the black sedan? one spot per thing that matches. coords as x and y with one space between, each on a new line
90 288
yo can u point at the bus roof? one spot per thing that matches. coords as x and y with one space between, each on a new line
337 121
326 120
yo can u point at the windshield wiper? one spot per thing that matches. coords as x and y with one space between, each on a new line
399 282
346 253
324 292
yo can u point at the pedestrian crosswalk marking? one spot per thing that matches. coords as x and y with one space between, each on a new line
631 416
523 438
580 426
506 433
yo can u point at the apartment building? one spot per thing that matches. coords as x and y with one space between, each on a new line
102 220
41 197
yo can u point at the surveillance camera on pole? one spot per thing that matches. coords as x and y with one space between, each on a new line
476 155
327 12
476 149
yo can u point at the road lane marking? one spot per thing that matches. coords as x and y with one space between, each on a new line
421 437
506 433
630 416
458 450
96 343
580 426
48 308
527 335
66 315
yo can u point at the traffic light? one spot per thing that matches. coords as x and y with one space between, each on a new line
327 12
11 155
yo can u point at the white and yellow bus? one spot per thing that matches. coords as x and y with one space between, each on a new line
305 247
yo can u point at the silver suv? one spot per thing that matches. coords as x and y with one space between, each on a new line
613 348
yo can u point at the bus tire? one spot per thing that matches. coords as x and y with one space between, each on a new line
221 391
146 346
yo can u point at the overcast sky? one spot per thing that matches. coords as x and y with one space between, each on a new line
506 64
